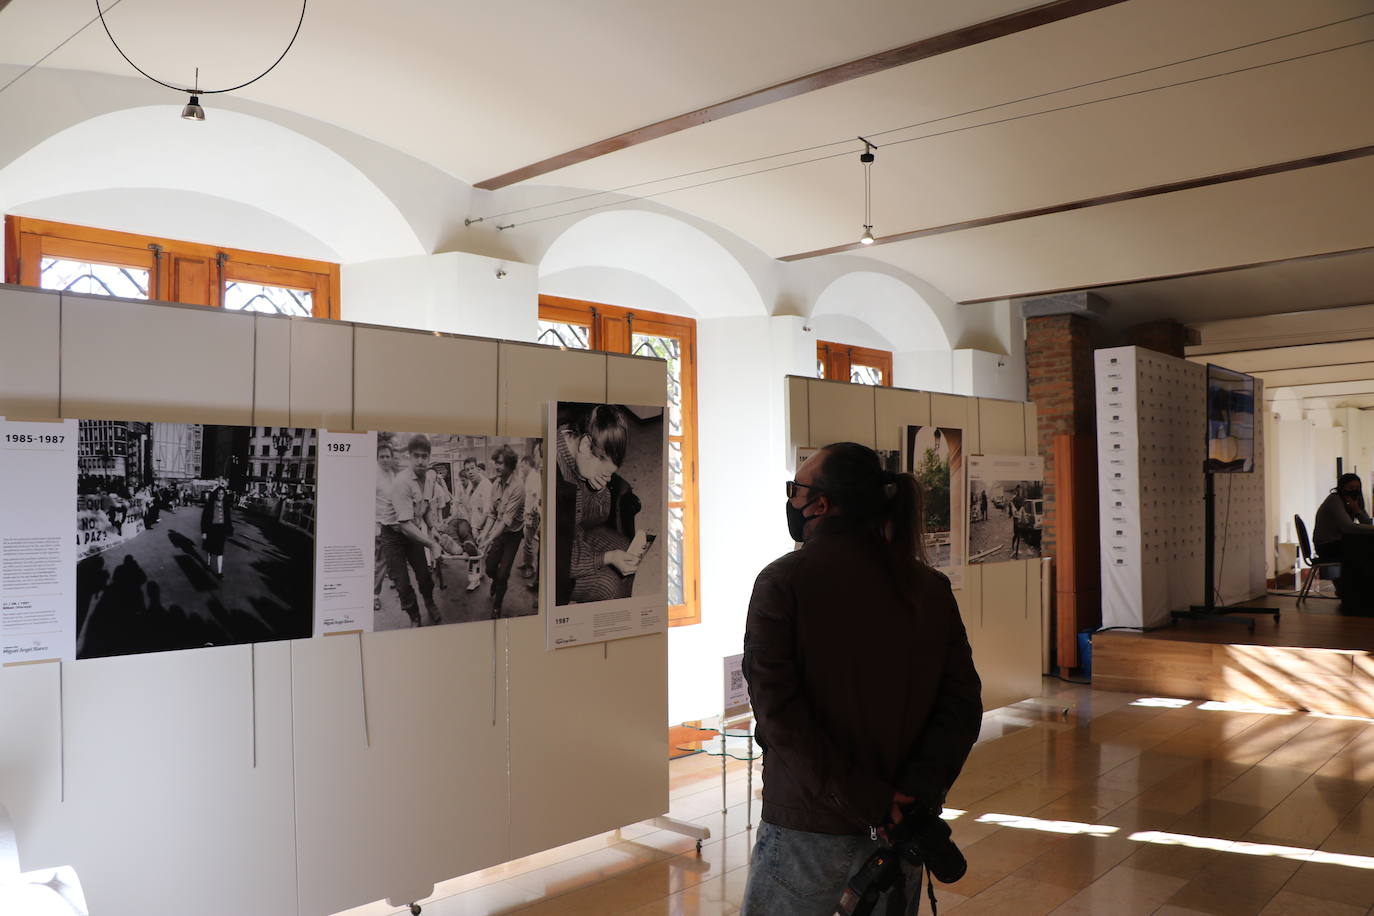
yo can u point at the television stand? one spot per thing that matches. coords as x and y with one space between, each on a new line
1209 609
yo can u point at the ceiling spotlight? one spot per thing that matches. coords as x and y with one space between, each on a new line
193 111
867 157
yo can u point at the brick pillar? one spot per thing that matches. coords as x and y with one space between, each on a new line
1164 336
1060 339
1059 377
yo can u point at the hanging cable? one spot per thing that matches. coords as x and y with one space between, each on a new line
955 130
198 91
59 46
918 124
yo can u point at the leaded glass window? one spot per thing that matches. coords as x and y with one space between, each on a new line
865 375
565 334
240 296
71 276
669 349
577 325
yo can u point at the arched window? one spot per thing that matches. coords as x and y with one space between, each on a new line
103 262
862 365
578 325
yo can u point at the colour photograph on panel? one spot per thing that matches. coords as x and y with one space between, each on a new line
457 528
192 535
1230 421
1006 508
935 456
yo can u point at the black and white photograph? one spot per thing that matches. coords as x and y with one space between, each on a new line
1006 508
608 512
192 535
935 456
458 528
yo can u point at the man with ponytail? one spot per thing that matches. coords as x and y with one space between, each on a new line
861 678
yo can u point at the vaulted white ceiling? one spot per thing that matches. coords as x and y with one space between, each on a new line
479 89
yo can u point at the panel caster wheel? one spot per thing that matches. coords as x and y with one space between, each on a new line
415 909
698 847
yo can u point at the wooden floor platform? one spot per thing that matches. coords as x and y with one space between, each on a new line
1316 659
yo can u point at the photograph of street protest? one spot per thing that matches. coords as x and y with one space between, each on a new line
457 528
1006 508
608 510
935 455
192 535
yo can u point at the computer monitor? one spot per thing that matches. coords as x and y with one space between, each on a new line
1230 422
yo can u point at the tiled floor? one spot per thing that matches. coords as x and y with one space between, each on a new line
1079 802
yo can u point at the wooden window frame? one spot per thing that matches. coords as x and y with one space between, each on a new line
179 271
838 359
612 330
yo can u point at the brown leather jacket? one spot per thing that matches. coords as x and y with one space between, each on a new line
855 692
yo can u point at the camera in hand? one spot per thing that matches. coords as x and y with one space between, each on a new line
922 838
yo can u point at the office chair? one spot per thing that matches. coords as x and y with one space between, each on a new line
1314 565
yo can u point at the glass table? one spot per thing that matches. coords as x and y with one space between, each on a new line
729 739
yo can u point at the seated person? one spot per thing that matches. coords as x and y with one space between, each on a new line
1341 513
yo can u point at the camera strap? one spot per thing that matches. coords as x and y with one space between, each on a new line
897 903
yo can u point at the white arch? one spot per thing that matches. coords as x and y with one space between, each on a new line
679 257
886 304
230 155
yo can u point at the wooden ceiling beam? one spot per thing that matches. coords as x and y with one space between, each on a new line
1186 184
865 66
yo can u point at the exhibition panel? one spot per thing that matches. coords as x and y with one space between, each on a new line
577 721
531 376
577 716
1153 440
840 412
896 407
959 412
401 762
28 374
1000 601
321 386
127 359
1002 427
422 381
178 781
335 770
271 372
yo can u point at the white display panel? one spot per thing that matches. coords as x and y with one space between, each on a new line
185 771
1151 415
1002 608
37 549
345 529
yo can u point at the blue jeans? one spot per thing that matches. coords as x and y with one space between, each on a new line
796 873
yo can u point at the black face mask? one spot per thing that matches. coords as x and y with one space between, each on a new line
797 519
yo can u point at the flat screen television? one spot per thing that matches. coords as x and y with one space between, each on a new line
1230 422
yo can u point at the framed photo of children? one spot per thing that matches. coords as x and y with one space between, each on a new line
935 455
606 508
